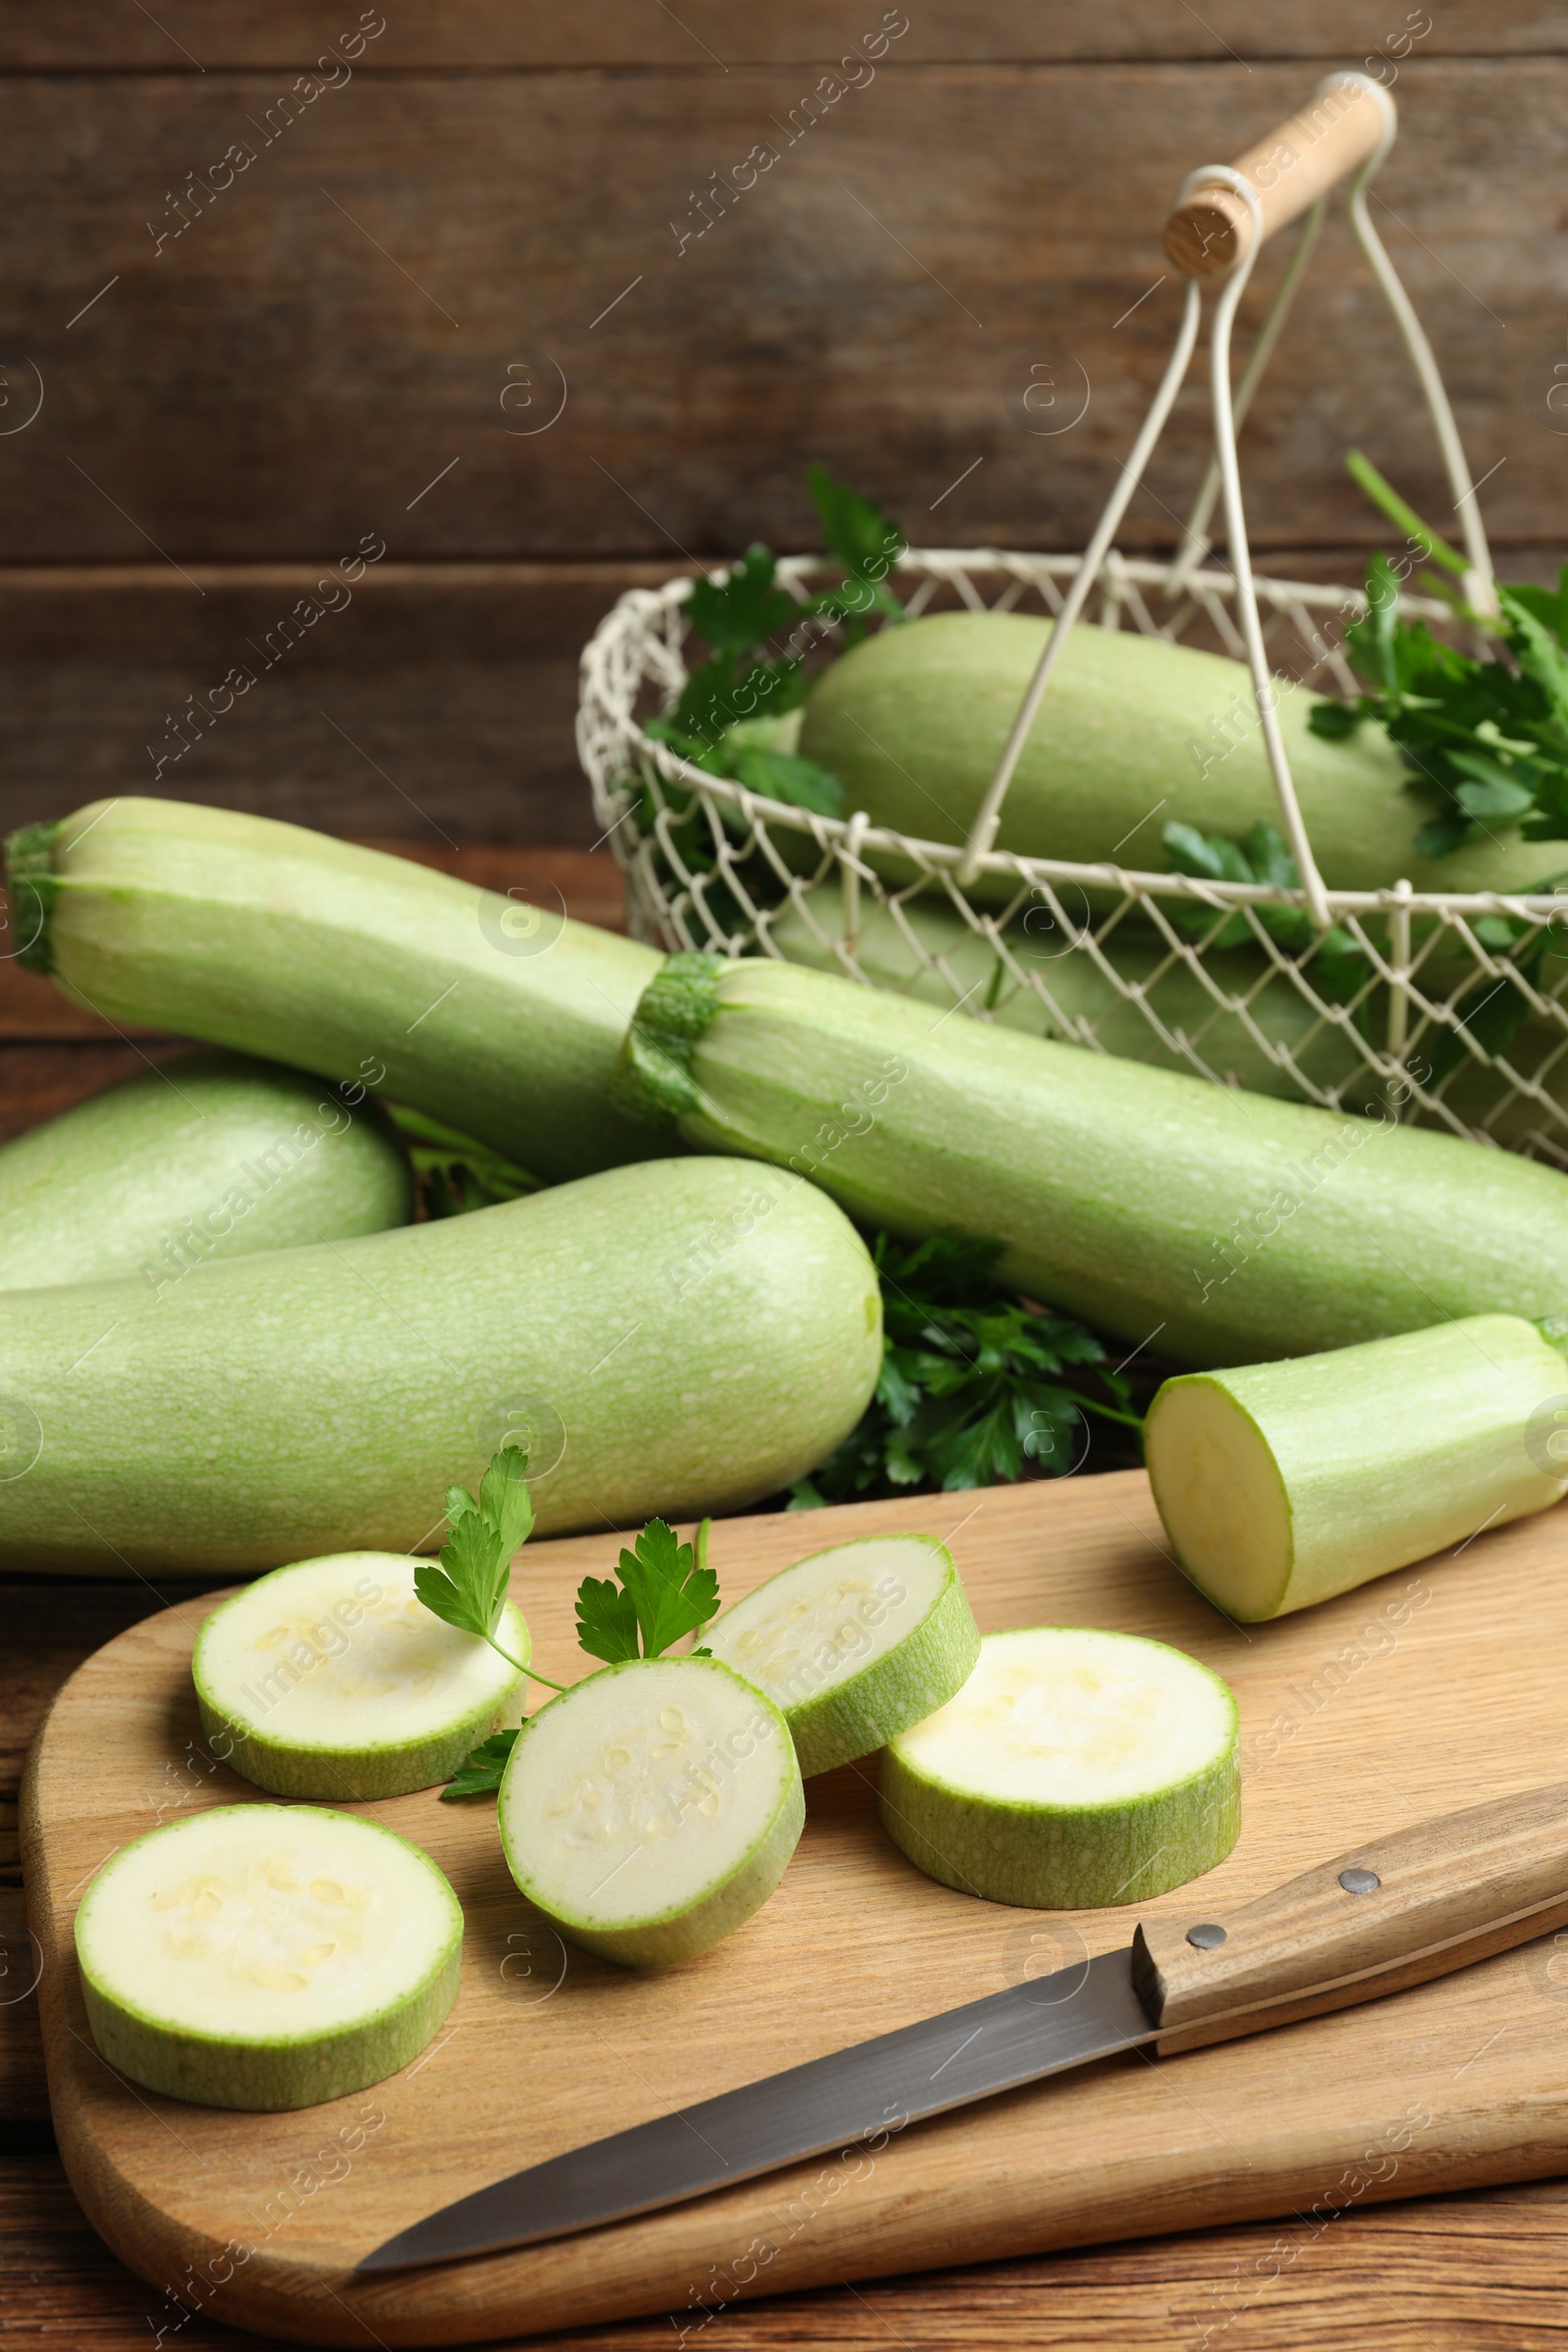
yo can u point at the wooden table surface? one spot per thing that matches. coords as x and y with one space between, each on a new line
1486 2270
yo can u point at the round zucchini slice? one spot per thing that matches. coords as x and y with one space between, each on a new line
1074 1769
266 1956
331 1679
652 1809
853 1644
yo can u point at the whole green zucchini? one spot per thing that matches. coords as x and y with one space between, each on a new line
1283 1484
679 1337
1221 1225
1251 1053
208 1155
1282 1046
499 1018
1133 732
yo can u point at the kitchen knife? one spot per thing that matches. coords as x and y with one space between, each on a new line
1421 1902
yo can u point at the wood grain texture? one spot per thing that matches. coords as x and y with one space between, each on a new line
440 705
449 693
1437 1896
297 369
1349 1728
73 35
1476 2274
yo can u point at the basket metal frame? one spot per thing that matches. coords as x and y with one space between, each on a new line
636 657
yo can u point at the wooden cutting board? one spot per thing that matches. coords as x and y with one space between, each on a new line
1431 1689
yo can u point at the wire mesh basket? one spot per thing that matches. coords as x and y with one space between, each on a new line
1443 1009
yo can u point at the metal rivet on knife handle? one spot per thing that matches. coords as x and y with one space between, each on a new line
1395 1911
1207 1935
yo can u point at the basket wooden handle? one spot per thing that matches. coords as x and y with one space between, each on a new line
1335 132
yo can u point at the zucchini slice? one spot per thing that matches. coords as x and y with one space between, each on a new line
266 1956
331 1679
1074 1769
853 1644
652 1809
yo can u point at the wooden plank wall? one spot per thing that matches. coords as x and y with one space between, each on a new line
455 288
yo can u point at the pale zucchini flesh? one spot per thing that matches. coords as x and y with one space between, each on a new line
652 1809
496 1015
209 1156
1283 1484
853 1644
679 1337
331 1679
266 1956
1075 1767
1239 1227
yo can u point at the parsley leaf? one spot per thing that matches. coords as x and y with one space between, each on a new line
481 1775
607 1620
663 1588
976 1386
468 1588
1486 741
672 1591
1340 965
738 612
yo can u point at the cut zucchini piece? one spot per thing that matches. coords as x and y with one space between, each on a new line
652 1809
1074 1769
853 1644
333 1679
1281 1485
266 1956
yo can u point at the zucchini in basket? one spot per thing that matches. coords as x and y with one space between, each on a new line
1132 733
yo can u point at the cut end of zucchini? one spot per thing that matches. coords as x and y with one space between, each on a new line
331 1679
1220 1495
653 1078
853 1644
652 1809
32 886
266 1956
1074 1769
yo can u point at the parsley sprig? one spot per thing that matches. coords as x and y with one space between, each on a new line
1487 741
728 708
661 1590
974 1382
1341 964
469 1589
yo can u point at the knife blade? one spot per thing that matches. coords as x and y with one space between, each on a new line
1416 1904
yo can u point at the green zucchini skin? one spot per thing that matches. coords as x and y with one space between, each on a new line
1055 1856
1381 1455
913 721
1239 1050
680 1336
209 1156
1080 991
278 2074
1237 1227
362 967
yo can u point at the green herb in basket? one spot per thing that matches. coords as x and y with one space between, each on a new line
732 704
1487 740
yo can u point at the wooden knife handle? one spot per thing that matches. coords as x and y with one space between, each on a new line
1428 1899
1334 133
